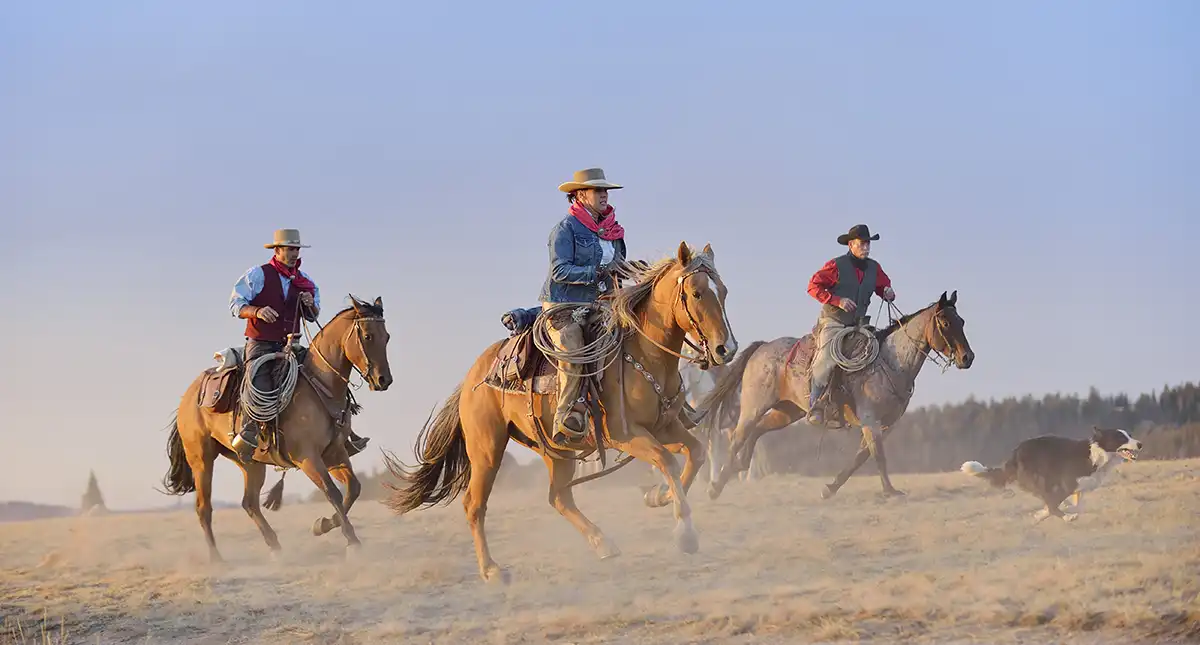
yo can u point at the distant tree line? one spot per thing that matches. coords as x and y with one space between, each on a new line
938 438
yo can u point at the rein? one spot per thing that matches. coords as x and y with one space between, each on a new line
357 328
703 351
942 360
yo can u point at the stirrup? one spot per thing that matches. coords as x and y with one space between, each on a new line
244 448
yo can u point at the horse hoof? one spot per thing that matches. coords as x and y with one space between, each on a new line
606 549
686 539
1070 517
892 492
657 497
496 574
713 491
828 491
322 526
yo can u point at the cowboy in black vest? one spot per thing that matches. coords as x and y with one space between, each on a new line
843 287
272 297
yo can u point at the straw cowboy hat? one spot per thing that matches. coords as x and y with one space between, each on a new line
286 237
589 178
858 232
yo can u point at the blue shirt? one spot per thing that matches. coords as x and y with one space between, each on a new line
251 283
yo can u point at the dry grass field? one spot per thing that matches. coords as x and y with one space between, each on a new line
954 562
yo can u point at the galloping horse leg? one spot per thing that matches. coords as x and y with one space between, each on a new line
677 439
562 498
745 436
644 446
255 476
315 468
881 462
344 473
869 443
485 451
202 470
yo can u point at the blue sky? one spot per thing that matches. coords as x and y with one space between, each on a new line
1038 158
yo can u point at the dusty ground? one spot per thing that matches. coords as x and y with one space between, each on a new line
952 563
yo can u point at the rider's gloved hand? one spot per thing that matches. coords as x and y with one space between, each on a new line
888 294
847 305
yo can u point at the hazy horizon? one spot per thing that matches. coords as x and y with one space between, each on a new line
1035 158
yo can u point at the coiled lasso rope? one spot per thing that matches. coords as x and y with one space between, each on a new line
858 362
265 405
604 345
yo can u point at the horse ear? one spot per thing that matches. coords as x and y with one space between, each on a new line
954 298
379 303
685 254
942 300
708 250
354 303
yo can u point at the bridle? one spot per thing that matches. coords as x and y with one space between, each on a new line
939 323
702 360
355 328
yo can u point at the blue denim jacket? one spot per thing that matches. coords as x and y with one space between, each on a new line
574 261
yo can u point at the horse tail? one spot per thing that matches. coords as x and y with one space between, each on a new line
179 479
997 477
444 469
723 392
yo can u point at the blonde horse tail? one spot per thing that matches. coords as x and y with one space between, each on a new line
444 469
179 479
725 389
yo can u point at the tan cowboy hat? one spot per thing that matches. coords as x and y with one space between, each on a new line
589 178
286 237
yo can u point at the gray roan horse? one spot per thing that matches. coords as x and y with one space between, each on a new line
715 437
774 379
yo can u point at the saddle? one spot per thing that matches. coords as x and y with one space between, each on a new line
521 368
220 392
837 398
220 385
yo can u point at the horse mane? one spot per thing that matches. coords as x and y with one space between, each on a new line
360 306
883 334
626 300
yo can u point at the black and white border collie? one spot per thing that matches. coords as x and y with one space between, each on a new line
1054 468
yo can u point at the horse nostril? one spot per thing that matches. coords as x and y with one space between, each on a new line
721 351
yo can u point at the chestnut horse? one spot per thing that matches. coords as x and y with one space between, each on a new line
641 394
355 338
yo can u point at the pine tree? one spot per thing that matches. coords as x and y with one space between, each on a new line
92 498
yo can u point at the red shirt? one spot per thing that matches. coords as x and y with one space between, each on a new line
827 278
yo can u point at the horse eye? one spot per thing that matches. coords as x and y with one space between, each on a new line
696 295
367 337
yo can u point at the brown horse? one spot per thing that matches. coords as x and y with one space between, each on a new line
774 394
461 450
355 338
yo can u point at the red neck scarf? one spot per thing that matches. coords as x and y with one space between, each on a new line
293 273
607 228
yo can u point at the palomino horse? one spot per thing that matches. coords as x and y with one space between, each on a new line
775 394
461 449
355 338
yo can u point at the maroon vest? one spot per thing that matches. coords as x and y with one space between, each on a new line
271 296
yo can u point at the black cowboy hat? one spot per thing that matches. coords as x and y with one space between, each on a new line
857 232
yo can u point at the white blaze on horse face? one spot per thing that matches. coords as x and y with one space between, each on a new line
712 285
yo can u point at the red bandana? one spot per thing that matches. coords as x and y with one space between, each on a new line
293 273
607 227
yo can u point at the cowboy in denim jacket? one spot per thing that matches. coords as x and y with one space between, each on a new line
584 248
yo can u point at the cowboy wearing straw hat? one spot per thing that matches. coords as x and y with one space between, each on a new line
843 287
584 247
272 297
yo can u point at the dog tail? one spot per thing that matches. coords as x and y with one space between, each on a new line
998 477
